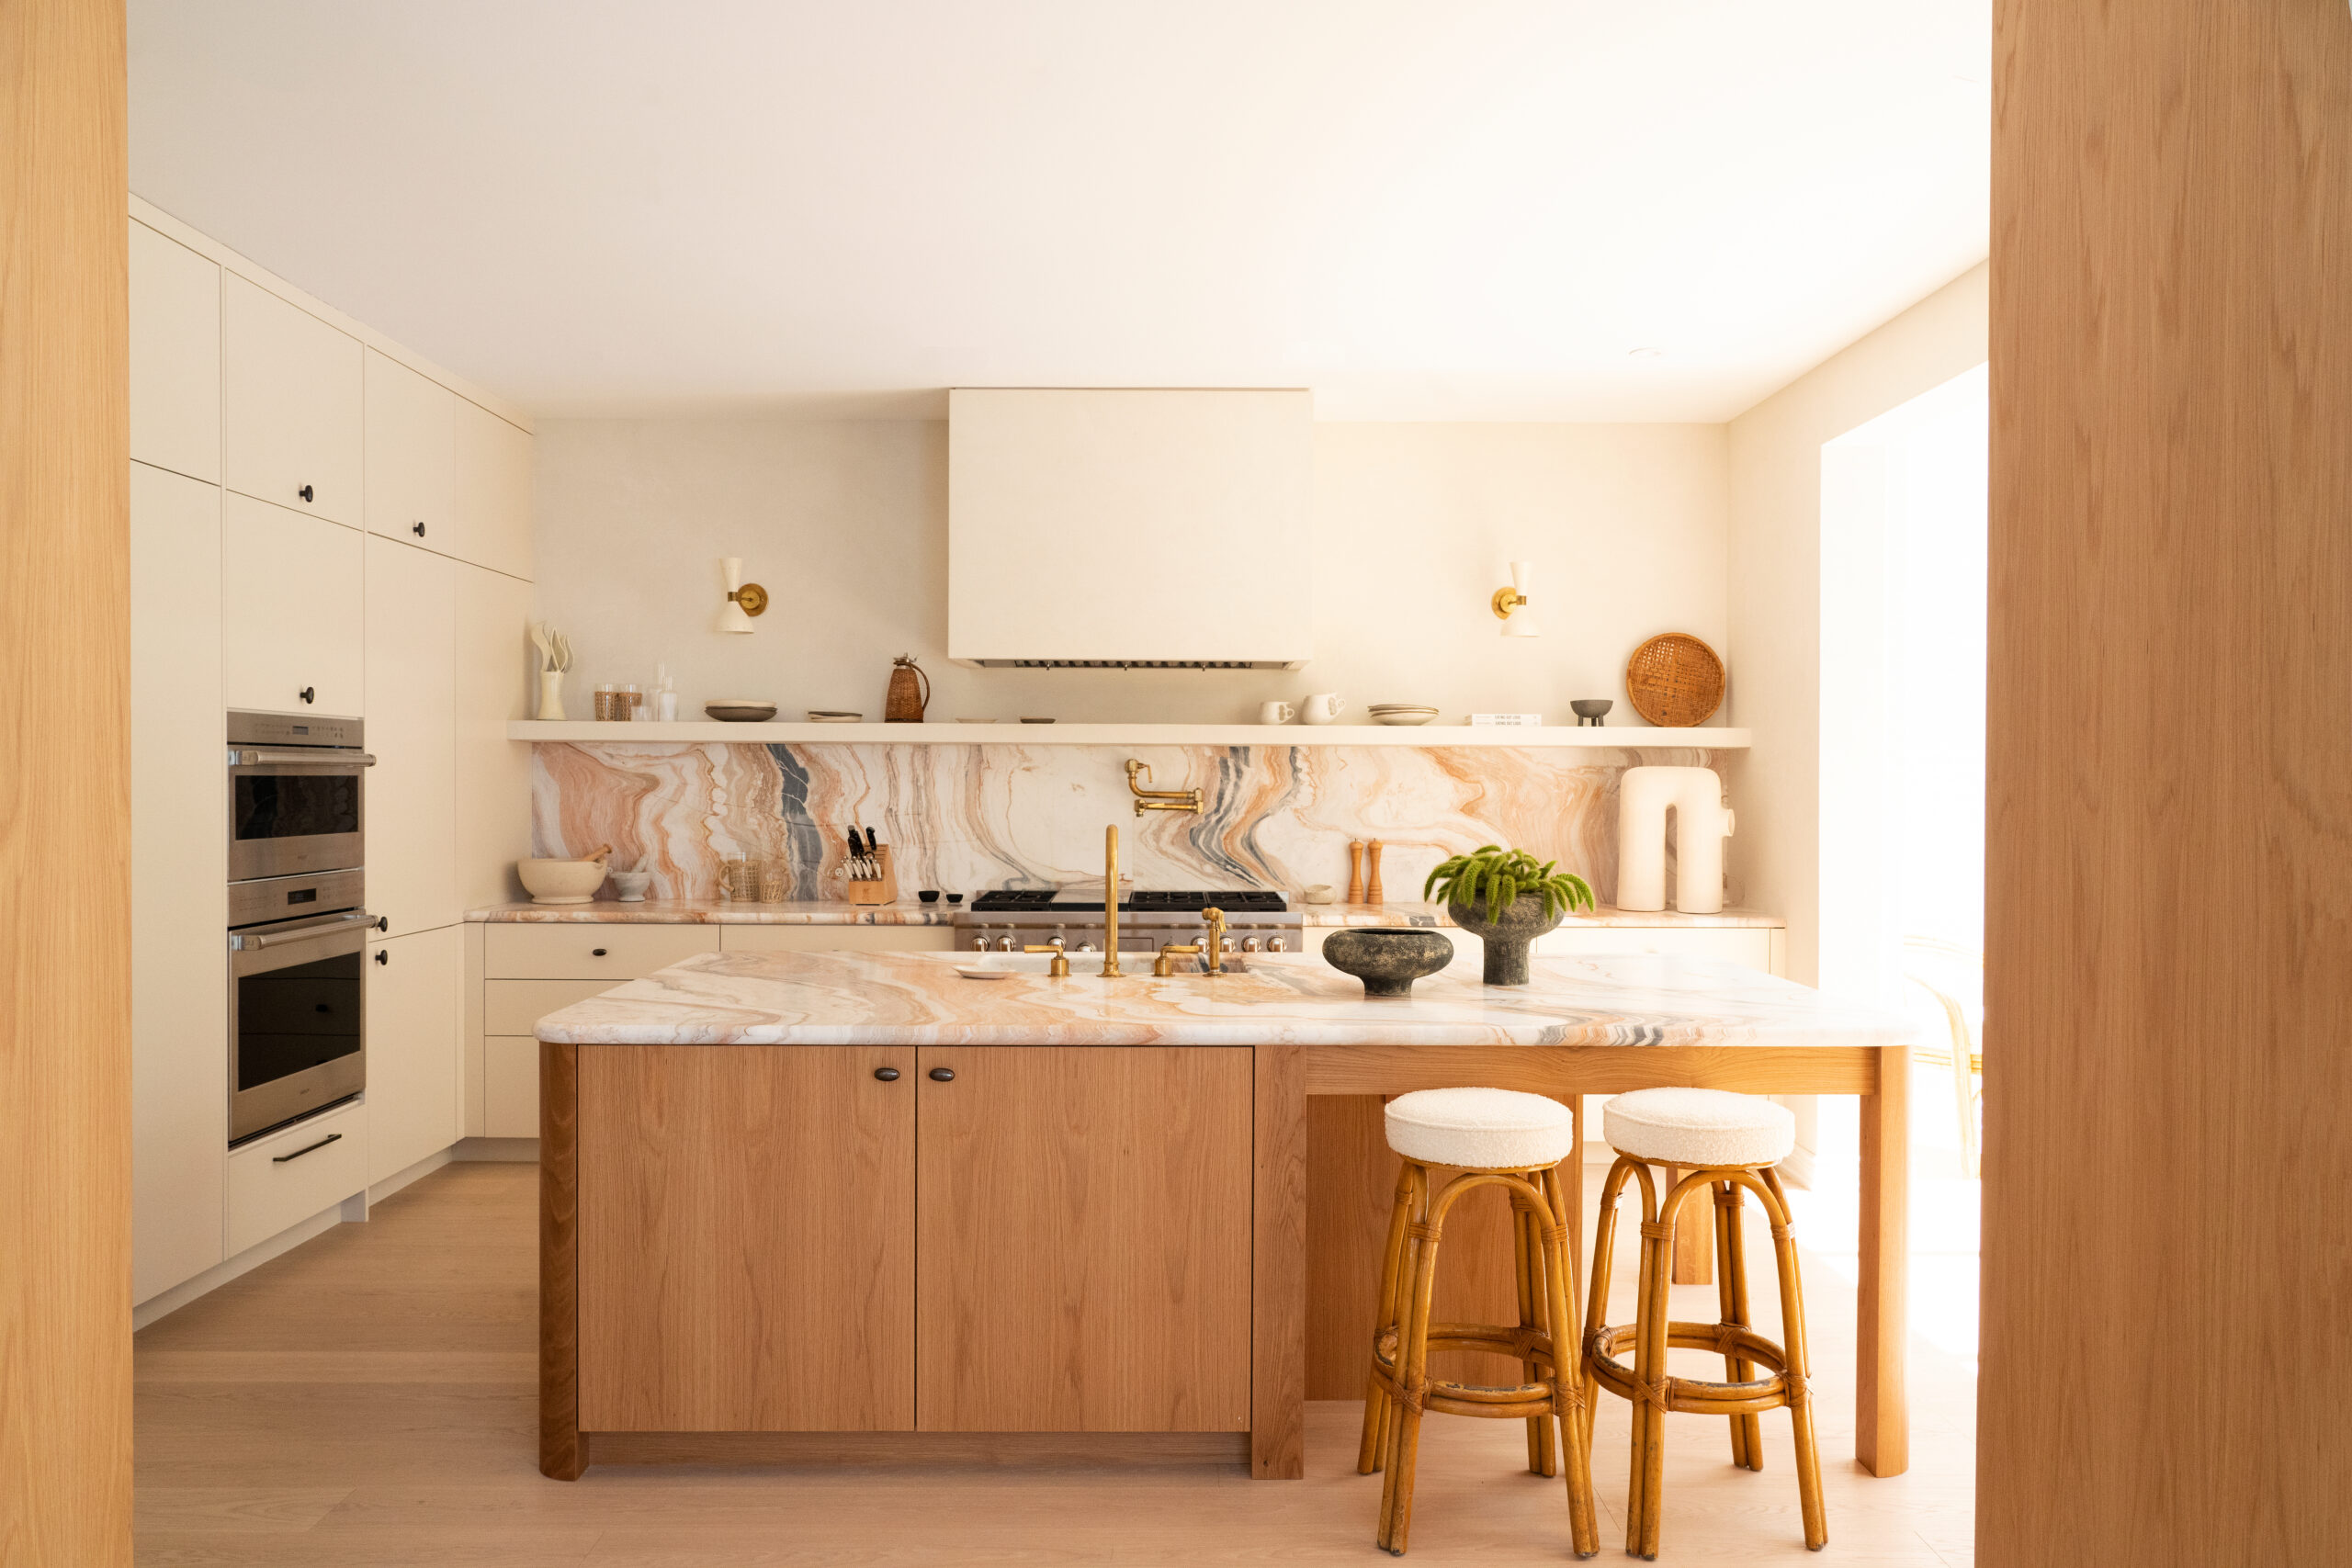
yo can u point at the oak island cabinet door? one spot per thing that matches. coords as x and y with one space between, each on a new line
1084 1239
746 1225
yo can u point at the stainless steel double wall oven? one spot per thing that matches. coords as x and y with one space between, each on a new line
298 918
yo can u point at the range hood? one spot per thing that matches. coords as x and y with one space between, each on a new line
1129 528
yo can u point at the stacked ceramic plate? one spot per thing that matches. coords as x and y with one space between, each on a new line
1401 713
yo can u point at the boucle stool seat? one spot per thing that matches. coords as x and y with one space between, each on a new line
1515 1141
1481 1129
1729 1144
1699 1126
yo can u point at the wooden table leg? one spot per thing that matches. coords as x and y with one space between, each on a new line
1881 1340
1278 1279
1694 1238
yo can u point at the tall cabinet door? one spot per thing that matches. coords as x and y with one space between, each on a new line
493 491
411 429
1083 1238
292 599
175 357
290 405
496 667
412 680
179 874
414 1023
747 1257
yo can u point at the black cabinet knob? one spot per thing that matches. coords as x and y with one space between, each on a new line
887 1075
595 953
383 956
943 1075
384 922
310 694
418 529
305 494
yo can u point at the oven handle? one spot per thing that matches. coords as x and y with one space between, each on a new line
298 758
243 942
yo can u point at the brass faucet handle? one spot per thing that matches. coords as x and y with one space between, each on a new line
1134 767
1060 968
1165 966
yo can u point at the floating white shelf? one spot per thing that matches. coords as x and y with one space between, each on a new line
1557 737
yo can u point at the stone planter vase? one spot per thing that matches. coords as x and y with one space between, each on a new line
1387 959
1508 939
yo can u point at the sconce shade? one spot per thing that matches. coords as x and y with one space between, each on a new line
731 613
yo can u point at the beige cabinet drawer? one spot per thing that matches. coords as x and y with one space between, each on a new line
516 1007
837 939
510 1087
610 953
285 1177
1749 946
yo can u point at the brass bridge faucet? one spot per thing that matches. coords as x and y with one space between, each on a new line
1159 799
1211 949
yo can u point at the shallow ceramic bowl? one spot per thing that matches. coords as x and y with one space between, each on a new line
1402 717
1321 893
1387 959
630 886
561 881
740 710
833 716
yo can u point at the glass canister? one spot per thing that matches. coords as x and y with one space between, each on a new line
612 704
775 884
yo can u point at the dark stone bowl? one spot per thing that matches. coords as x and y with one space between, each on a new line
1387 959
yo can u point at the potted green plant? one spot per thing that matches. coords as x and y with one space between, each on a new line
1507 901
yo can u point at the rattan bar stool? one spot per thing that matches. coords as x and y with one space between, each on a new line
1499 1139
1729 1143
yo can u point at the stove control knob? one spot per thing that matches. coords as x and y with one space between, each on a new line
1004 944
1058 939
1249 945
981 943
1276 944
1086 947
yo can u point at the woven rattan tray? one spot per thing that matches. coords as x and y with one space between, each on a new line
1675 680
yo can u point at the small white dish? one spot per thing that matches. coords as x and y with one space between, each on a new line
1402 717
1321 893
828 715
975 972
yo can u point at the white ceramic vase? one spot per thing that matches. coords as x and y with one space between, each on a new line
552 694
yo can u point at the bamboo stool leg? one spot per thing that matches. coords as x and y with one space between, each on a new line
1567 1367
1412 1360
1731 1290
1372 1450
1800 1372
1528 1261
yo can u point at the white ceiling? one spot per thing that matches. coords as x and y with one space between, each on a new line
1445 210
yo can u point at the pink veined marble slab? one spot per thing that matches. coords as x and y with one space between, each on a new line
915 998
711 912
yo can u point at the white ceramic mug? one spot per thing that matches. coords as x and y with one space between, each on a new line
1275 712
1325 707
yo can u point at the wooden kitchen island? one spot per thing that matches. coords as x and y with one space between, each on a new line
793 1202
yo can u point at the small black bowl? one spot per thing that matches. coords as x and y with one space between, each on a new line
1387 959
929 895
955 897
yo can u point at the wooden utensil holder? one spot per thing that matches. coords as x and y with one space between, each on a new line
883 889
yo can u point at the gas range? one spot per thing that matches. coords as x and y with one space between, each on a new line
1010 918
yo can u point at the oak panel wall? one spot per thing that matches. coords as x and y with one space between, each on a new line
2169 918
64 788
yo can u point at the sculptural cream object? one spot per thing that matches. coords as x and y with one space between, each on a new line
1702 823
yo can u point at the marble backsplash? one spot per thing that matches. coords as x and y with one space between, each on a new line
966 818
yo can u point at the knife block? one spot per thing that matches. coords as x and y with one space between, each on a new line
883 889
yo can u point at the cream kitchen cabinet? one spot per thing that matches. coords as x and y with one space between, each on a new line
837 939
496 668
179 870
281 1178
410 440
412 790
414 1054
491 490
175 357
292 606
290 397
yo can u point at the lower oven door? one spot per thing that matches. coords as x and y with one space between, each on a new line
298 1019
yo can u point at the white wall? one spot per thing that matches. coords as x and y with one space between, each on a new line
1775 588
845 526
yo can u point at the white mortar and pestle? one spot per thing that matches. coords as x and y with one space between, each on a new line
551 880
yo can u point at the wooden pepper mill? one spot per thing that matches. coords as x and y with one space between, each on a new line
1372 892
909 692
1355 871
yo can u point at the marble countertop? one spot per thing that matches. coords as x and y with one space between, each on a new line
918 998
823 912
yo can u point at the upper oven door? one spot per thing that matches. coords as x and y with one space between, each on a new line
292 812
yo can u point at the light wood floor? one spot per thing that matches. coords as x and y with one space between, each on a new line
368 1399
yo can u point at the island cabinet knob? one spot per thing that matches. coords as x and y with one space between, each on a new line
943 1075
595 953
887 1075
